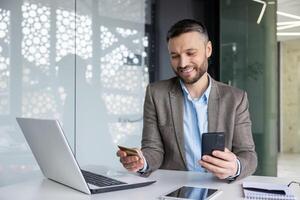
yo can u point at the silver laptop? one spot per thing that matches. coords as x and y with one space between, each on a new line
57 162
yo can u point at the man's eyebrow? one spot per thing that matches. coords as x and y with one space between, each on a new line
190 49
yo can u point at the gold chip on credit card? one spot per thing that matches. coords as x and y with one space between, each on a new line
129 151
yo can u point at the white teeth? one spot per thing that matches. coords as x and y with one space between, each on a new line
187 70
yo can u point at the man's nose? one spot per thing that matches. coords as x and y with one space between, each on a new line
183 61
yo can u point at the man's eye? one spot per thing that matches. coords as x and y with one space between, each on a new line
174 56
191 53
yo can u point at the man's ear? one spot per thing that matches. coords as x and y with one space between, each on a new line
208 49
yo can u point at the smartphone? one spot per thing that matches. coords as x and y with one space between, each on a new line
195 193
129 151
212 141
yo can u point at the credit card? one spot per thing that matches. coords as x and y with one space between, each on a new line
129 151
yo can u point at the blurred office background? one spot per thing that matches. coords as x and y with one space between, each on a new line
87 63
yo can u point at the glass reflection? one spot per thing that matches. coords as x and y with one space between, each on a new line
51 38
35 29
67 22
127 10
4 61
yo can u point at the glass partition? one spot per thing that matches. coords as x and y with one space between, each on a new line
248 61
111 79
30 86
84 63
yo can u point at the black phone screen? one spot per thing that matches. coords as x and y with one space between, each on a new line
212 141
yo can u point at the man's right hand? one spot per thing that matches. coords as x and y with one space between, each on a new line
131 163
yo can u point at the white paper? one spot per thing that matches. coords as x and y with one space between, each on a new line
249 194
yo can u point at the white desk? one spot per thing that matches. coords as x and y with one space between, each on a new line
44 189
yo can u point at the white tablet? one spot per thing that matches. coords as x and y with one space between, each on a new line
195 193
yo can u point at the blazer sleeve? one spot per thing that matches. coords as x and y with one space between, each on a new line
152 145
242 144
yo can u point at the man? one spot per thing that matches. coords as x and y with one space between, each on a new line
177 111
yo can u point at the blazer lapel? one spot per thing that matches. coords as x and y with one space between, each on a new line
213 107
176 101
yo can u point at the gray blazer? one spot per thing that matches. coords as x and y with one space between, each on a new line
163 136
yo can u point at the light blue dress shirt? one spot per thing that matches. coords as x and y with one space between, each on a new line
195 123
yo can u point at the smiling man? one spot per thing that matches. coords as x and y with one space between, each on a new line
179 110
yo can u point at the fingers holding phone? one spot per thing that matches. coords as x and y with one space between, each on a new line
222 164
131 158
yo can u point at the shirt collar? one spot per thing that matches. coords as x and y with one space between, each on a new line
204 96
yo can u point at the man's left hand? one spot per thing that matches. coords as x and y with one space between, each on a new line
222 164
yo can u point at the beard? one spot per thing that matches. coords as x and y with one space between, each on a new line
200 71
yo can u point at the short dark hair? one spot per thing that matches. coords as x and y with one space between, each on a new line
185 26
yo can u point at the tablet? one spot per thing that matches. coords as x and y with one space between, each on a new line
195 193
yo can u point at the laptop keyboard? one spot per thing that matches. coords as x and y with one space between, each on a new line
99 180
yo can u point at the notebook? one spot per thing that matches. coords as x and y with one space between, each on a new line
267 191
57 162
